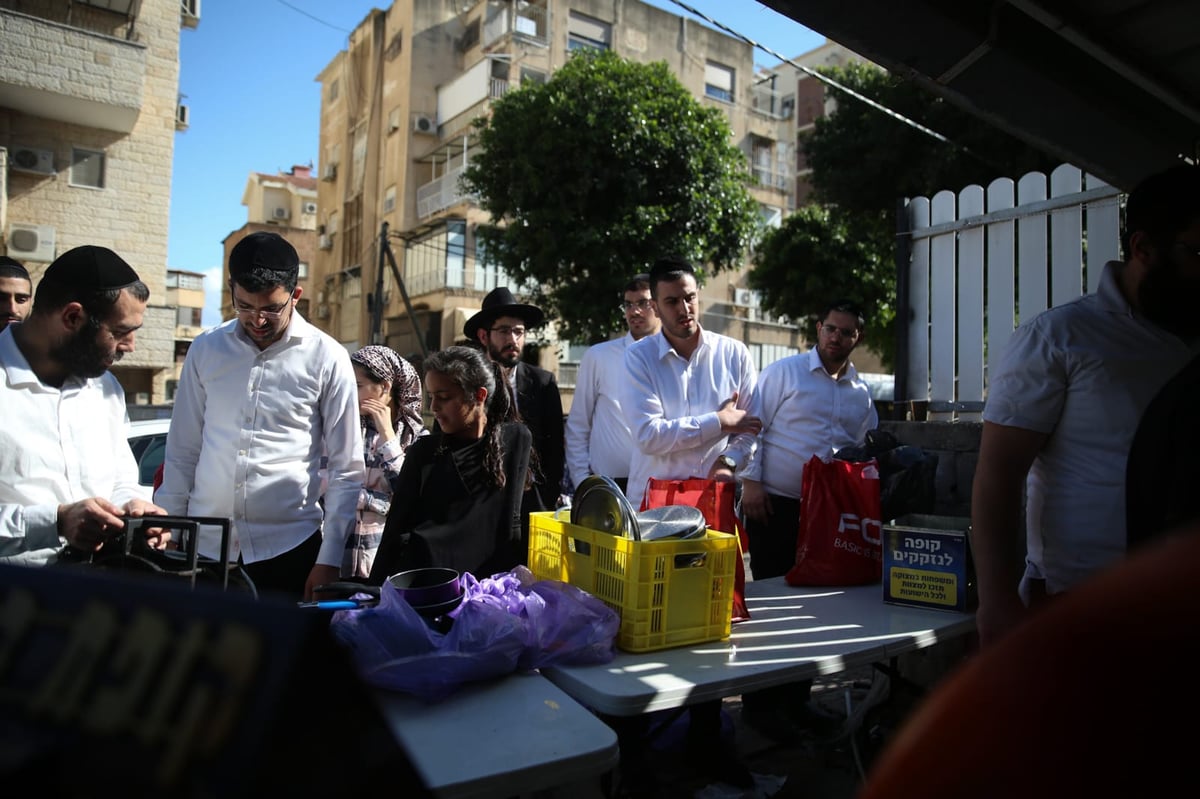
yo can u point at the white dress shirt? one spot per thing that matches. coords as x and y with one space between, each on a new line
247 437
1083 373
671 406
598 439
57 446
806 412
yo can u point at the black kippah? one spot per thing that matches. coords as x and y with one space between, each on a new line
11 267
90 268
265 250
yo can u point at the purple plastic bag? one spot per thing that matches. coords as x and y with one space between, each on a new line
505 623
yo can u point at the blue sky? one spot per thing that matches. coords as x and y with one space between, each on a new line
248 72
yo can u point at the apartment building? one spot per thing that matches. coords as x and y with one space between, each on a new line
185 293
396 134
283 203
89 109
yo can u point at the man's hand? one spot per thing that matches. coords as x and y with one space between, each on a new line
156 537
735 421
320 575
755 502
87 524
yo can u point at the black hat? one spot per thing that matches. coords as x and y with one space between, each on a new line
501 302
264 250
90 268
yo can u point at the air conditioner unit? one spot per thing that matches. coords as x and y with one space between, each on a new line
310 208
28 242
189 13
744 297
35 162
324 242
329 172
423 123
181 117
322 311
280 213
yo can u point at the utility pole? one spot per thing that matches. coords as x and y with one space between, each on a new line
377 303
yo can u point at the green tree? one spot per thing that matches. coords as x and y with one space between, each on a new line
594 174
863 162
820 254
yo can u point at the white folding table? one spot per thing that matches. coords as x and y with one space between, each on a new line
792 634
501 738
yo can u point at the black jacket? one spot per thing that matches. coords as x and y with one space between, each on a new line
540 406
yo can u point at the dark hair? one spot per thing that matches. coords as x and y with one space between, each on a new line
1162 205
98 304
470 370
639 282
260 278
669 268
843 306
10 267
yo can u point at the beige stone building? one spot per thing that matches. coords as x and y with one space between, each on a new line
89 109
185 293
396 113
285 203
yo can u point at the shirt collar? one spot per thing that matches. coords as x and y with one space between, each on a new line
1108 293
663 346
298 328
814 363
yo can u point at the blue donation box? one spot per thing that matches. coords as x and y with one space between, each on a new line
926 562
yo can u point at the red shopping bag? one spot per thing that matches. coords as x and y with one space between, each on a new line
715 499
839 539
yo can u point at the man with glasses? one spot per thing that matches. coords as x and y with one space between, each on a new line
263 399
68 473
1064 401
598 439
500 328
813 403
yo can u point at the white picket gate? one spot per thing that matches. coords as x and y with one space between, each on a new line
980 262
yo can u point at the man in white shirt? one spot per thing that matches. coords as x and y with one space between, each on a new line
813 403
692 409
68 473
1063 404
598 439
262 399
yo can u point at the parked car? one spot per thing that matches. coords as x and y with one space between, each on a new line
148 440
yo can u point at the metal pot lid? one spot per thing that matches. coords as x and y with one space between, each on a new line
671 521
600 505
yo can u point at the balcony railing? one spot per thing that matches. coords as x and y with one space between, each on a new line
770 103
441 193
568 373
528 22
772 179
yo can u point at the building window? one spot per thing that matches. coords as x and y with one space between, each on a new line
534 76
303 273
179 280
394 120
588 32
718 81
352 283
456 254
87 168
389 199
335 88
188 317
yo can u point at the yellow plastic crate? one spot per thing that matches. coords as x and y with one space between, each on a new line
668 593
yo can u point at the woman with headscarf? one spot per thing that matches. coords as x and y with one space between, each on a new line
462 484
389 402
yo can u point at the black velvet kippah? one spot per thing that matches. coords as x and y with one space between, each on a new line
263 249
90 268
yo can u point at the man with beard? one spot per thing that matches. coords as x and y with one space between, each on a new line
263 399
1063 404
500 328
16 291
68 473
598 440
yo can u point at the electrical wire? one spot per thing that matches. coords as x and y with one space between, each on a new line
823 78
313 18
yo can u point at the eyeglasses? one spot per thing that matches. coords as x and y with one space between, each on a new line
271 313
505 330
641 305
831 330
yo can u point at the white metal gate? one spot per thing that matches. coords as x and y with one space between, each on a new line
980 262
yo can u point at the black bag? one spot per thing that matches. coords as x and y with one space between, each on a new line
907 474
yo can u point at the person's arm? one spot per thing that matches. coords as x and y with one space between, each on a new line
552 451
1005 457
652 431
184 439
342 437
742 443
579 423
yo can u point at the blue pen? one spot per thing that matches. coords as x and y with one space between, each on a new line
331 604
